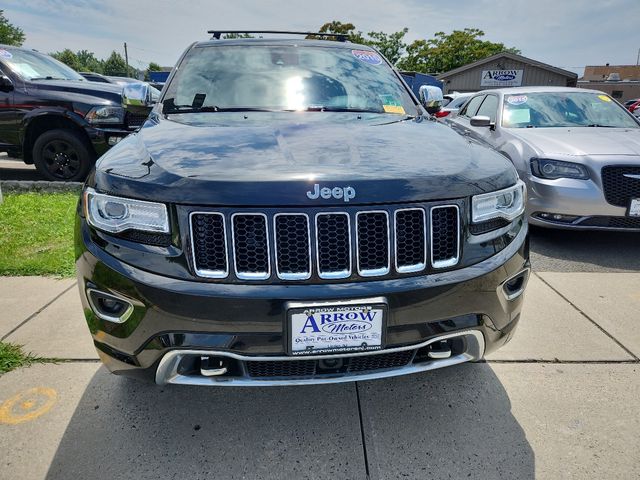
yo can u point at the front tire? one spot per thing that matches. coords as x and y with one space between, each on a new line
62 155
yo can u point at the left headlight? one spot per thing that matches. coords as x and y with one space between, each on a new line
507 204
116 214
106 114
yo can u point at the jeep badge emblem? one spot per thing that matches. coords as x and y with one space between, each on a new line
346 193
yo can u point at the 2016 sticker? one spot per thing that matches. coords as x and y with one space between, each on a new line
5 54
604 98
367 56
517 99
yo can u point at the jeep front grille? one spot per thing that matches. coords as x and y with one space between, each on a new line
333 235
324 245
292 246
445 226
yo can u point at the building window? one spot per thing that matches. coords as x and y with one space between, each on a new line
616 94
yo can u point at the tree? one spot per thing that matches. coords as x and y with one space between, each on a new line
342 28
153 67
389 44
89 62
68 58
445 52
10 34
115 65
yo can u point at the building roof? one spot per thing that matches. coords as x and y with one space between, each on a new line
602 72
511 56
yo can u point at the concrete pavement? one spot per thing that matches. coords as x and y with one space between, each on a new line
560 401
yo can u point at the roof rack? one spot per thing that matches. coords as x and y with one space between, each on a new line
340 37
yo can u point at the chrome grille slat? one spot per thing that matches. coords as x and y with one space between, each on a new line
292 246
322 245
372 243
444 236
250 240
333 252
411 245
210 258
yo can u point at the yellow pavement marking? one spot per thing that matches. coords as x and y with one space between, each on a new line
27 405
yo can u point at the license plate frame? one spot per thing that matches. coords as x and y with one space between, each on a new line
634 208
301 311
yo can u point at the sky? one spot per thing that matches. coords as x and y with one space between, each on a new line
567 34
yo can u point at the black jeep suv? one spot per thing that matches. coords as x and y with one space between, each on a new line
52 117
289 214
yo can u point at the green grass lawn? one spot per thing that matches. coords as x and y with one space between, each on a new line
36 234
12 356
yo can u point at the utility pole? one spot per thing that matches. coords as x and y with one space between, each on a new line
638 58
126 57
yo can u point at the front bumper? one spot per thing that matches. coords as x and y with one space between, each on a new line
102 139
173 318
581 202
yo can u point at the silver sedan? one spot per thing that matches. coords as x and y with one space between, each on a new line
577 150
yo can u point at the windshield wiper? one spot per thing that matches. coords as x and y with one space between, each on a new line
325 108
50 78
603 126
213 108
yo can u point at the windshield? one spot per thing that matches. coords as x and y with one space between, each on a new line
259 77
563 109
32 65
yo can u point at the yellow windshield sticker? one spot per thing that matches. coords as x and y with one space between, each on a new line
394 109
604 98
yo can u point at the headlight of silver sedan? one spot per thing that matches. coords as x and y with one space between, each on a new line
507 203
116 214
554 169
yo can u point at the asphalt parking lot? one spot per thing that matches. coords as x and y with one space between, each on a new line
560 401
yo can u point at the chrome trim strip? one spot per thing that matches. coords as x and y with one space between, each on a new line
376 272
341 273
209 273
109 318
291 275
167 368
449 262
418 267
251 275
515 295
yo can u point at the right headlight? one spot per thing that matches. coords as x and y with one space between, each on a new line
554 169
507 204
117 214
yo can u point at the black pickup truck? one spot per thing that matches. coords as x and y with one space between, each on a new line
52 117
306 222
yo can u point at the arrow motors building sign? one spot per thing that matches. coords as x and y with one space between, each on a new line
501 78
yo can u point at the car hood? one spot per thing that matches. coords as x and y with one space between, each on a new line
80 89
588 141
262 159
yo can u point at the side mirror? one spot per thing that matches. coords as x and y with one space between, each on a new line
431 98
137 98
6 85
481 121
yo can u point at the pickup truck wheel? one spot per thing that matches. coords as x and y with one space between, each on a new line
62 155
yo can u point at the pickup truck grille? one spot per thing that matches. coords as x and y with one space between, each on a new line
324 245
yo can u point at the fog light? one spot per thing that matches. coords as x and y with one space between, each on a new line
556 217
109 307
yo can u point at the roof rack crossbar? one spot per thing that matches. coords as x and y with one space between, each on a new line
217 34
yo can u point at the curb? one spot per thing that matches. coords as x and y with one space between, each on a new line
39 186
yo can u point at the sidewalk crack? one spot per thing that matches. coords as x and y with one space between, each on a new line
362 434
38 312
596 324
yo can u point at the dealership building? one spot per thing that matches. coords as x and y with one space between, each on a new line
505 70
